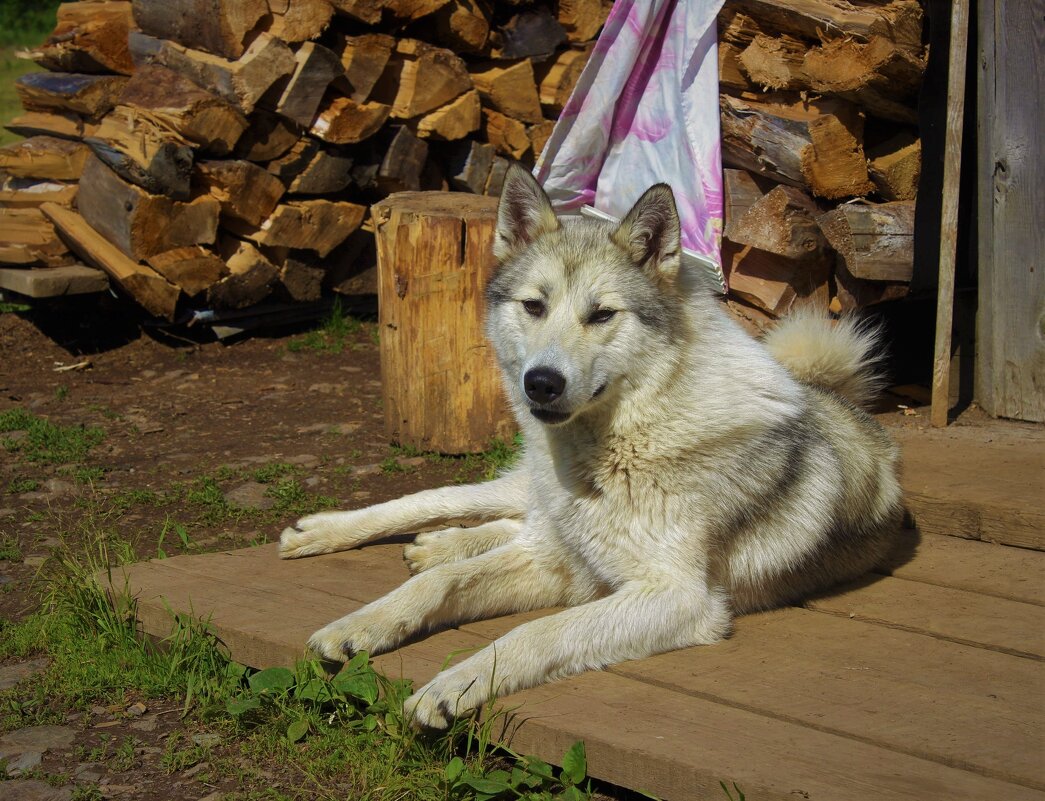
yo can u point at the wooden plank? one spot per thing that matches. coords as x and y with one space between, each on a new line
1010 627
1010 351
674 743
952 170
53 282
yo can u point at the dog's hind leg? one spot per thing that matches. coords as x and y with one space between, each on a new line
455 544
326 532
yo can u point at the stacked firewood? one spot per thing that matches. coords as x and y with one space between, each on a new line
821 150
223 152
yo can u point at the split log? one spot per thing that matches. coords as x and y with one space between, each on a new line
44 158
817 144
47 123
53 282
23 193
730 75
192 268
895 166
855 293
771 282
420 78
533 33
558 76
402 164
89 37
250 276
454 120
268 136
138 223
221 27
774 62
364 59
539 135
299 20
89 95
740 190
351 268
511 90
319 225
441 389
27 238
171 100
507 135
582 19
368 11
343 121
497 175
783 221
462 26
316 69
147 287
301 279
326 172
409 10
245 191
243 82
469 165
874 241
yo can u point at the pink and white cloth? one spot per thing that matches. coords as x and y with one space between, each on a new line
645 110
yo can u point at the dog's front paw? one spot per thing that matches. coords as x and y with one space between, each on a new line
316 534
449 695
359 631
429 550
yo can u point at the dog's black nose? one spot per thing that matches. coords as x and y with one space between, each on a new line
543 385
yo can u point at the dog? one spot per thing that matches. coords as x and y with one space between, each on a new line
676 472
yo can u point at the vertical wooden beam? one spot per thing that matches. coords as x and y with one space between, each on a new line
952 165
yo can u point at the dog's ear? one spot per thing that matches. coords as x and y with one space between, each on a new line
523 214
651 234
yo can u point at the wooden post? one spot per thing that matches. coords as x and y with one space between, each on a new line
952 165
441 388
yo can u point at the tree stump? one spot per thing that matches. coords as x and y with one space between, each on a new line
441 388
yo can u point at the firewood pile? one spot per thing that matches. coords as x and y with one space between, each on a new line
219 153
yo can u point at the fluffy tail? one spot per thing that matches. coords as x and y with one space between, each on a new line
838 355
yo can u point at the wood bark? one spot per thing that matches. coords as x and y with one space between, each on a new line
89 95
221 27
533 33
402 164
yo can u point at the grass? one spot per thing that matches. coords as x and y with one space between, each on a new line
43 441
331 336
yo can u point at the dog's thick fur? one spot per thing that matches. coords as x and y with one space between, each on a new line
676 471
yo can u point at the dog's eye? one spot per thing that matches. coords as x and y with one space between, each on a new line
601 315
534 308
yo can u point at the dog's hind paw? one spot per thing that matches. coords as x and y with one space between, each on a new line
429 550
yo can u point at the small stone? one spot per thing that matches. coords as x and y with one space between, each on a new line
7 513
360 495
147 723
86 767
35 790
10 675
24 763
313 481
34 561
304 460
217 795
250 495
36 738
188 773
367 470
343 428
412 461
136 710
206 739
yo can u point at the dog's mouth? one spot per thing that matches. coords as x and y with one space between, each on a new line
550 416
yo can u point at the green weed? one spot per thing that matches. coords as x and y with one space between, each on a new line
88 475
331 336
17 486
272 471
44 441
61 393
293 500
5 307
9 550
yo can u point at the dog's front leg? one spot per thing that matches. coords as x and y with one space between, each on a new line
638 620
516 577
338 531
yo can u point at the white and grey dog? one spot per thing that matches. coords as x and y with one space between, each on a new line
676 471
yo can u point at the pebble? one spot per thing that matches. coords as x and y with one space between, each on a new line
136 710
206 739
250 495
35 790
10 675
24 763
304 460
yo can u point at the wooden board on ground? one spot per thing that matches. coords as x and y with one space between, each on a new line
891 703
53 282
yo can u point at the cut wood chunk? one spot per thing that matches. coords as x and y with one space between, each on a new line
326 172
582 19
28 238
54 282
19 193
420 78
730 75
221 27
268 136
243 82
774 62
403 163
783 221
316 68
89 95
142 151
455 120
740 190
44 158
507 135
291 163
498 171
469 166
169 99
874 241
769 281
250 276
300 20
511 90
245 191
89 37
407 10
817 144
895 166
529 34
138 223
854 293
368 11
558 76
319 225
47 123
192 268
462 26
343 121
148 288
351 268
364 59
539 135
301 279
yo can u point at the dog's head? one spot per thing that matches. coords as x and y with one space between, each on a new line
577 306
